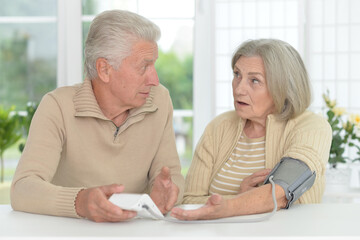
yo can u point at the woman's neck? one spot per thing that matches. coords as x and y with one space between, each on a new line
254 129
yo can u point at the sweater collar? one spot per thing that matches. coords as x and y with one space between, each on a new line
86 104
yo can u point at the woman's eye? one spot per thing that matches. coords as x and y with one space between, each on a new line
254 80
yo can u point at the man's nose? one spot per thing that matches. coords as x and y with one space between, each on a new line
152 77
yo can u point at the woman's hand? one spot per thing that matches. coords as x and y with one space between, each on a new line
253 180
216 207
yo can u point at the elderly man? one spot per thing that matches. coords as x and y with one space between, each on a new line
113 133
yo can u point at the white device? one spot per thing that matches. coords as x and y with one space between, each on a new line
141 203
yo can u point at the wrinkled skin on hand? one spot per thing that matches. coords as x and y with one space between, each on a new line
215 207
253 180
93 204
164 192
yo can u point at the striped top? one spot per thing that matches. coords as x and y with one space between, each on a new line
247 157
306 137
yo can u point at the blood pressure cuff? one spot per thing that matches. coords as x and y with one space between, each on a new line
294 176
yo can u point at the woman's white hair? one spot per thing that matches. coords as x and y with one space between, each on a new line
286 75
112 35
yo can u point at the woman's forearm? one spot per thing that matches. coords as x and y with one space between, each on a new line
257 200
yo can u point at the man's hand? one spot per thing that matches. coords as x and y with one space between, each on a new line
215 207
93 204
164 192
253 180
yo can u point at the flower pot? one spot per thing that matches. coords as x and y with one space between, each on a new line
338 179
355 176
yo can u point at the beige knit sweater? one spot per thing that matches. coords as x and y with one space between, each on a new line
307 137
72 145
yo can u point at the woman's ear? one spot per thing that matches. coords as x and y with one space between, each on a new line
103 69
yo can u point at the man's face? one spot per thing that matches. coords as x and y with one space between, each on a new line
131 83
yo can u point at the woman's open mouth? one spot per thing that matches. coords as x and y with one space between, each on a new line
242 103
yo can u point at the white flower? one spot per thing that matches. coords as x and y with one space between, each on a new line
338 111
355 119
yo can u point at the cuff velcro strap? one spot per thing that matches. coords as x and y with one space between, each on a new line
294 176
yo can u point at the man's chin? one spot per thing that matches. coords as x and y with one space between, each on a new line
140 103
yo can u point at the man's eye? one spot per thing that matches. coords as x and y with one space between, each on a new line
143 69
236 74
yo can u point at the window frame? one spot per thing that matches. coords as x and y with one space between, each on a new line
69 64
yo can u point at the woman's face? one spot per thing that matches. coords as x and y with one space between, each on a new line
252 99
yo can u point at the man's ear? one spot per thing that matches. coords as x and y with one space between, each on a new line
103 69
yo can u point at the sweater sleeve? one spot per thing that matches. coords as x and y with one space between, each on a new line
197 180
31 189
310 142
213 149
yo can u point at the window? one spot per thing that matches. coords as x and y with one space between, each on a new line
238 21
326 34
333 53
28 57
41 45
28 50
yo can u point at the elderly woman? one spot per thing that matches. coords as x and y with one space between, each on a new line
239 148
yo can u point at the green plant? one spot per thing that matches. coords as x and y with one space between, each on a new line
26 121
173 70
9 132
355 119
345 131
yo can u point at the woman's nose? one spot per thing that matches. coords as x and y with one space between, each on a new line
240 88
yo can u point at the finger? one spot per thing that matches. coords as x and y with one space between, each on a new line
111 212
176 213
109 190
255 181
165 173
108 217
172 198
126 215
107 208
182 214
263 172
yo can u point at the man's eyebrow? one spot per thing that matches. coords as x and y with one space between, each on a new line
148 60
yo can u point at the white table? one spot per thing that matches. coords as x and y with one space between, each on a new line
312 221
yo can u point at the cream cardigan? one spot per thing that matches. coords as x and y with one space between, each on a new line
307 137
72 146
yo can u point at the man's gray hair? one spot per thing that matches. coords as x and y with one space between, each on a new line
286 75
112 35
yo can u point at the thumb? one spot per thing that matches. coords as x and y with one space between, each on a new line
108 190
215 199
